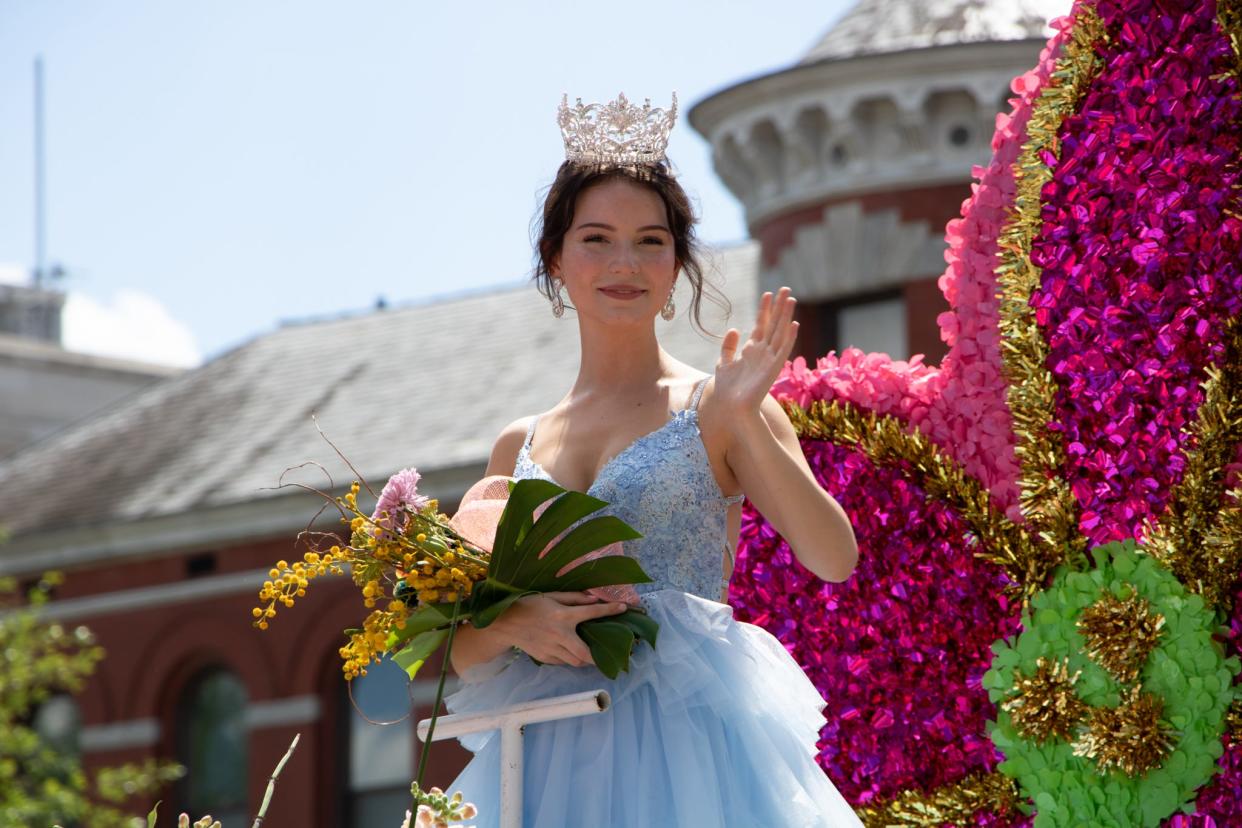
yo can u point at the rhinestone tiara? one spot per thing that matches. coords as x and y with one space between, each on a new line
617 132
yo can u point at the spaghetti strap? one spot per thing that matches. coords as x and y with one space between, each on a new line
694 406
698 392
530 431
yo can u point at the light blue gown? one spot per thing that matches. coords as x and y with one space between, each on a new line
715 726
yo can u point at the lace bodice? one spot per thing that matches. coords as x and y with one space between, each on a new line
662 485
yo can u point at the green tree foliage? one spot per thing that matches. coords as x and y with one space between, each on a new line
42 784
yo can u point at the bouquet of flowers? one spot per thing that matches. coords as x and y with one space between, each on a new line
422 573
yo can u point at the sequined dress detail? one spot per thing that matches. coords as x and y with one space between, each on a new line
715 726
662 484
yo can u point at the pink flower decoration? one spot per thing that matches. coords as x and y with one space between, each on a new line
400 490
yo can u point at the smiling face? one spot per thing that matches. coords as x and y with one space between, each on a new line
619 238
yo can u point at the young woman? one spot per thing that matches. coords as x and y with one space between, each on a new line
717 725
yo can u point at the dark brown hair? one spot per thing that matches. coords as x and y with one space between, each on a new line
572 179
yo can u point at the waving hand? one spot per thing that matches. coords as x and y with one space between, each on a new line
744 379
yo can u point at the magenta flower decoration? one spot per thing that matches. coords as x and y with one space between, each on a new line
1126 138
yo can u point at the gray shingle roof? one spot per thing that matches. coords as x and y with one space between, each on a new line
874 26
429 385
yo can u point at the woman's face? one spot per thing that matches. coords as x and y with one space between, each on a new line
619 238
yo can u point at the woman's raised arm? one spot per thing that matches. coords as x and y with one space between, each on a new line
763 451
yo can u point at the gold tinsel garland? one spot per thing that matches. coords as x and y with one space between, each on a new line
1130 737
1046 703
955 804
1199 536
885 441
1047 502
1120 634
1229 14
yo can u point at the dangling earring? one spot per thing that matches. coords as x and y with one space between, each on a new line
558 305
669 310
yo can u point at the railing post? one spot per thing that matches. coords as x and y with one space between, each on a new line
511 721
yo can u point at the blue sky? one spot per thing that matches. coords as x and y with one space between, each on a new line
214 168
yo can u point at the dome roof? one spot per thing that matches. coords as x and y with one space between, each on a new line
873 26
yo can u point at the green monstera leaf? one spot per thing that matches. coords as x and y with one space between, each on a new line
516 570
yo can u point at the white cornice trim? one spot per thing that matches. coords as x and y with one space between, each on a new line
134 733
145 732
293 710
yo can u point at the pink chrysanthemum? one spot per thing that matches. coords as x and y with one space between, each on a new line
400 490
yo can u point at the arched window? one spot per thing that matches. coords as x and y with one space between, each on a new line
212 744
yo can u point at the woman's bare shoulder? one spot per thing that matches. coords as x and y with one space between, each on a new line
508 444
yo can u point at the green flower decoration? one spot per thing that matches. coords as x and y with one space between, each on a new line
1165 726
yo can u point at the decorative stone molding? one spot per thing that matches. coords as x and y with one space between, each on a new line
823 131
850 251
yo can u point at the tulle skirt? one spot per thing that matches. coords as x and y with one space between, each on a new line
715 726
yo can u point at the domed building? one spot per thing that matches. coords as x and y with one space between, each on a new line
850 162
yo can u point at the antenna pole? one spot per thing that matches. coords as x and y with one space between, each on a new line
38 149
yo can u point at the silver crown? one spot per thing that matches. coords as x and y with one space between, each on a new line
617 132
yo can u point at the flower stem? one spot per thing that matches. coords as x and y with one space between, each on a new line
271 783
435 710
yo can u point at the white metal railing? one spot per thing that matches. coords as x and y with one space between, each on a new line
511 721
